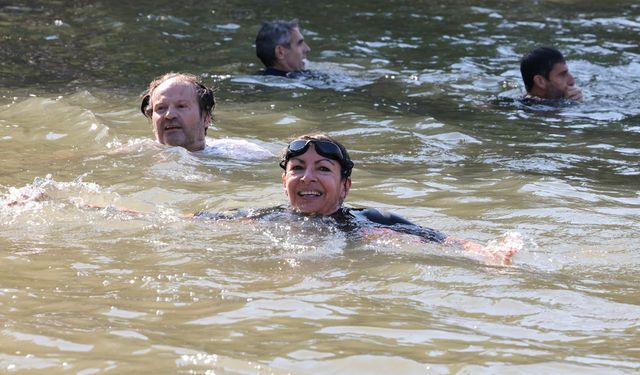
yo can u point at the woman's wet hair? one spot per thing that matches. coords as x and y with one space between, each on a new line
271 35
346 163
206 97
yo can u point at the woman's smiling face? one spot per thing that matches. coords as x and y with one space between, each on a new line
314 183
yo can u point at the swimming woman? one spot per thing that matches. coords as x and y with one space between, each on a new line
317 179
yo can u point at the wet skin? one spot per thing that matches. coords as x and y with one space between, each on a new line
314 183
177 119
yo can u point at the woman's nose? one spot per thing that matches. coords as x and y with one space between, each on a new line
308 175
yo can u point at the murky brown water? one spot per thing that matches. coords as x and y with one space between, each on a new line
423 97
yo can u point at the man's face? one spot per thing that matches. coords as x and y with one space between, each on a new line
292 58
176 117
559 81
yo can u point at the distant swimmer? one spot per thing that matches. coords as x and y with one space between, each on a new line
180 109
282 49
317 179
546 77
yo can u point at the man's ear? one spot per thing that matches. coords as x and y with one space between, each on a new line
540 81
206 118
280 52
147 111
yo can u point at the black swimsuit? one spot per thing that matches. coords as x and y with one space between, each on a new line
533 101
282 73
350 220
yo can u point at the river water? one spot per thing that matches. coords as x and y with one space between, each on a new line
423 94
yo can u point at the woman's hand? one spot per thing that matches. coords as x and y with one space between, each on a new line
26 194
496 251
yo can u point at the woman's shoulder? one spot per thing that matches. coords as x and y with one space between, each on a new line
380 217
398 224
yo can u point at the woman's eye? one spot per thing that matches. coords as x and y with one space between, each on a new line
325 169
296 167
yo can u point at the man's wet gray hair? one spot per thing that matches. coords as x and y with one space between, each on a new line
273 34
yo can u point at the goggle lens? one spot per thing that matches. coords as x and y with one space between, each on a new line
325 148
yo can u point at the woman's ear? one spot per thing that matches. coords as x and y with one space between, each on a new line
345 188
284 183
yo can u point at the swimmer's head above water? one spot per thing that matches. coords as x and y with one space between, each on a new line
180 109
546 75
281 47
317 174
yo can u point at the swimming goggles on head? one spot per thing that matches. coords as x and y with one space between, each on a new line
327 149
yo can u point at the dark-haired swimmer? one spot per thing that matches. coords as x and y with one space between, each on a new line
547 78
282 49
180 109
317 179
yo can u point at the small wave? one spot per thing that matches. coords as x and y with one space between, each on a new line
47 203
320 76
303 236
73 124
236 149
46 188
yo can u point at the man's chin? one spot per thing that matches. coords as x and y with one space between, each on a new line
174 141
188 145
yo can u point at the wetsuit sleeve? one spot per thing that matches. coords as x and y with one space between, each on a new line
239 214
384 218
402 225
207 215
